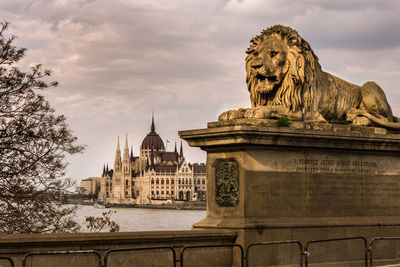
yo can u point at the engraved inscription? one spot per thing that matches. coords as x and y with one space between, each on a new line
227 183
336 166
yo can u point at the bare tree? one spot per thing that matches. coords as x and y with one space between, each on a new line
33 144
104 222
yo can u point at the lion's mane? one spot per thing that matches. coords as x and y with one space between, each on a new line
296 89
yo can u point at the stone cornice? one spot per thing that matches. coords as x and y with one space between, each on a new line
332 137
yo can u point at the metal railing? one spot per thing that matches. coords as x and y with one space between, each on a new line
374 240
185 248
69 252
242 258
171 249
298 243
7 259
365 242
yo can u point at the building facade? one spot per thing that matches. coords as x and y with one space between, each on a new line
156 176
91 186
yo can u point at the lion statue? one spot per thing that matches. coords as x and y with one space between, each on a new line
284 78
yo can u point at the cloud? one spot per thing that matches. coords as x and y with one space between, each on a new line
116 61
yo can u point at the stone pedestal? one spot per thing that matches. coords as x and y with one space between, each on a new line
293 183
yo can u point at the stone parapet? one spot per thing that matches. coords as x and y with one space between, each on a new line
103 241
17 246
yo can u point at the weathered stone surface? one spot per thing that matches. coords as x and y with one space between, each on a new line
306 184
284 78
360 138
310 178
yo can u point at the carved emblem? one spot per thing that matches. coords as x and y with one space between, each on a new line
227 183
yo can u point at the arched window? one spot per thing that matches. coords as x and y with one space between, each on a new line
172 181
204 181
126 182
186 181
162 181
167 181
152 180
157 181
179 181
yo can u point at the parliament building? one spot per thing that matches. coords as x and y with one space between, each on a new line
156 176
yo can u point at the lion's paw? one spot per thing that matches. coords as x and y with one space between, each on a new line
350 116
231 115
361 121
249 113
257 112
353 114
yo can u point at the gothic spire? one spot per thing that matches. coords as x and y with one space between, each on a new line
104 170
117 161
181 151
153 128
175 148
126 149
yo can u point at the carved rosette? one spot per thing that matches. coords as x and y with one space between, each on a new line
227 183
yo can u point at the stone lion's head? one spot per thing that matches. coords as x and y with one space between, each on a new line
281 69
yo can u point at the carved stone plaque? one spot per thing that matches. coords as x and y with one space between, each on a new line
227 183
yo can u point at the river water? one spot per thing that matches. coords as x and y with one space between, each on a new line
136 219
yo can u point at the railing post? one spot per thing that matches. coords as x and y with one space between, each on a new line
368 257
306 254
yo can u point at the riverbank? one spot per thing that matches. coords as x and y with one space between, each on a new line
169 206
189 206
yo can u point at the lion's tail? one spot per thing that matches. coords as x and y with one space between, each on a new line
384 122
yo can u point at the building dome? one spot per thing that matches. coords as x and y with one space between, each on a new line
152 140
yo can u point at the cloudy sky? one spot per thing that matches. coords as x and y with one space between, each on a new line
116 61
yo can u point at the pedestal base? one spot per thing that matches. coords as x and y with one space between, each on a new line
273 183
